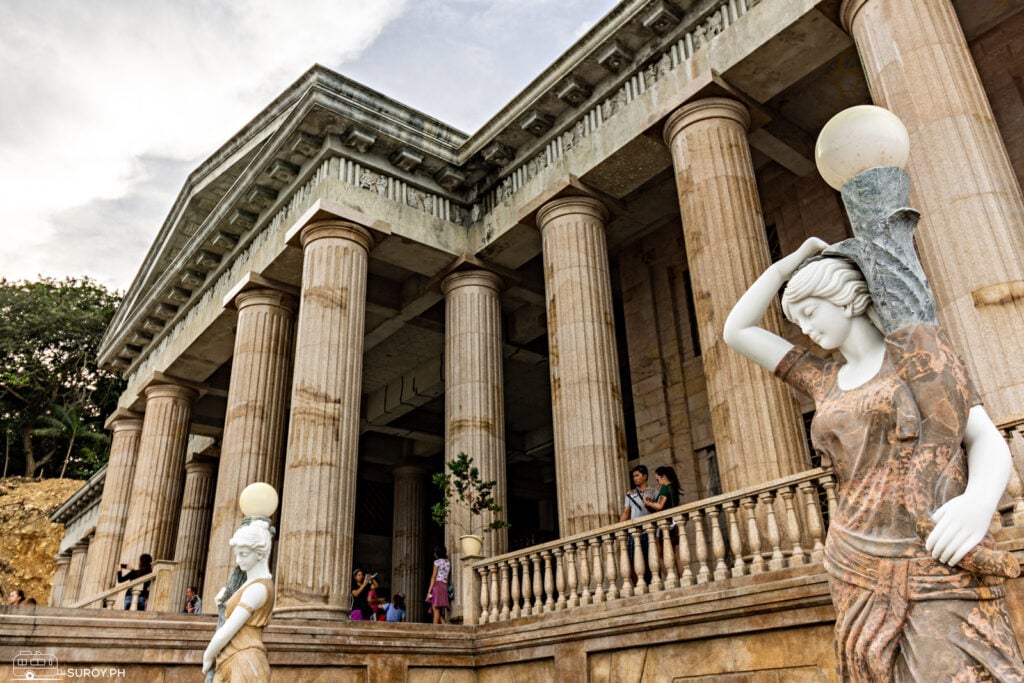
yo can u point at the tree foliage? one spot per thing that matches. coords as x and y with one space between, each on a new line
53 395
463 487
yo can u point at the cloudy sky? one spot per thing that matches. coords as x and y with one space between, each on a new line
107 105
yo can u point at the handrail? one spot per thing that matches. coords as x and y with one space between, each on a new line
757 529
113 598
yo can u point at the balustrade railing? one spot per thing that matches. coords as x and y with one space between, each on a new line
761 529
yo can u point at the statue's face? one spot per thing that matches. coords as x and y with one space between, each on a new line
246 558
825 323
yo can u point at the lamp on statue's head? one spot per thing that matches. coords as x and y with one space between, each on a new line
258 501
858 139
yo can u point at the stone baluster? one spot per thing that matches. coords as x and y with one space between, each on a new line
701 546
639 561
610 567
625 564
559 577
549 582
516 591
686 577
583 553
595 551
757 565
570 576
829 484
524 565
653 557
538 584
485 594
792 527
813 515
718 544
735 539
503 614
495 596
777 561
668 559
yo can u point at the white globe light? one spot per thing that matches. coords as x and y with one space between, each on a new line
258 500
857 139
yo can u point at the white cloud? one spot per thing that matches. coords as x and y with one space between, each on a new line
107 105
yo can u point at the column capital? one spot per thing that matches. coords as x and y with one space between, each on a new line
122 420
159 389
564 206
255 289
338 229
200 464
476 277
62 559
703 109
848 10
408 472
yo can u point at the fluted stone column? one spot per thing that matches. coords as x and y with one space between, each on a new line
474 391
156 491
407 574
60 580
586 397
76 572
252 448
970 236
758 431
105 549
194 531
319 496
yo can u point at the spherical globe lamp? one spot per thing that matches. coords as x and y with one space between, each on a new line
857 139
258 500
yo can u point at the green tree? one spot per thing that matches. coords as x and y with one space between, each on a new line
52 392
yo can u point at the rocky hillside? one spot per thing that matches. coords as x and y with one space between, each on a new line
28 540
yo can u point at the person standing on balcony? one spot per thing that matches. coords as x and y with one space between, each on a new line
437 593
634 506
668 493
145 567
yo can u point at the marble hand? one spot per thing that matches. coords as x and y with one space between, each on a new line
960 525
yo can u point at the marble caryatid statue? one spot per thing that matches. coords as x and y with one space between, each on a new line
916 580
236 652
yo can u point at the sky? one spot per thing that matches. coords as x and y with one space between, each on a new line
107 105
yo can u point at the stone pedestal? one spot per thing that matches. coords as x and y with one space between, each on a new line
586 398
758 431
156 492
970 236
319 495
194 533
474 395
60 578
76 573
252 449
105 549
407 573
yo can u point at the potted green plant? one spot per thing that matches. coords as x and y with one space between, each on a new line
462 488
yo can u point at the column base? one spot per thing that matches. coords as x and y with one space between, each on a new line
311 613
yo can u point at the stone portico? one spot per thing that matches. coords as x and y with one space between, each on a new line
349 293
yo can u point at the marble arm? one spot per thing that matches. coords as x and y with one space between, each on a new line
961 523
254 596
742 331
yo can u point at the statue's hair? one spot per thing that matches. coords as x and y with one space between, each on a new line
835 280
255 535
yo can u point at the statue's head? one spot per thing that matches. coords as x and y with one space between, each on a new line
836 280
254 537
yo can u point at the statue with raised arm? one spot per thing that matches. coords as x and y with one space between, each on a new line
916 580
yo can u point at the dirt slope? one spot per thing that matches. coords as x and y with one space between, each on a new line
28 540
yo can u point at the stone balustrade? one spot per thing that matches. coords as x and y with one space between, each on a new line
756 530
160 581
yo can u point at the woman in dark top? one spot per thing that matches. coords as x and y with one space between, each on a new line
145 567
668 494
361 584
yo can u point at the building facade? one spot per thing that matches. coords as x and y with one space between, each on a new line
349 293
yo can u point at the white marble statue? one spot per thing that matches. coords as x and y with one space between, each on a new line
236 652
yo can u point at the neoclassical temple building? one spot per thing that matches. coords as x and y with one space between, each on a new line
349 293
